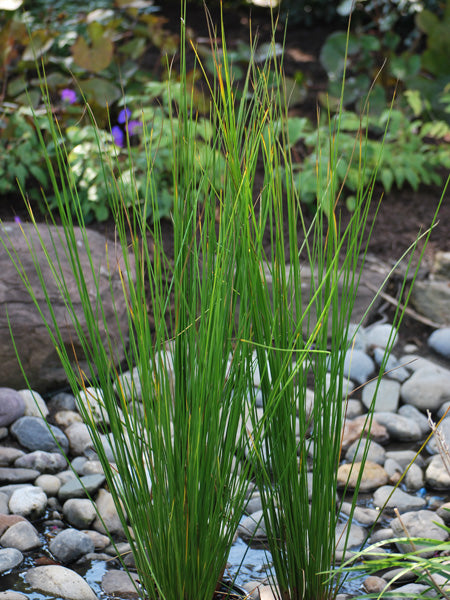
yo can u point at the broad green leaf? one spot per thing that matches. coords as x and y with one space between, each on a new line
100 91
332 55
93 58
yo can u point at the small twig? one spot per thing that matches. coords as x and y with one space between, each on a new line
409 311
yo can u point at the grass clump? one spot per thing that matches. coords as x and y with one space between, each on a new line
184 431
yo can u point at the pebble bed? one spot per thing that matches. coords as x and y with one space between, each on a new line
53 545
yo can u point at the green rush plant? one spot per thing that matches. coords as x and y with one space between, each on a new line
184 432
300 335
178 478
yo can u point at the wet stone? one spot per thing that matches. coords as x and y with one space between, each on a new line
119 583
60 582
9 558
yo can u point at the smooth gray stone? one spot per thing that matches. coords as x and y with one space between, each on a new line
399 428
420 524
426 389
358 366
9 558
60 582
12 406
252 529
70 544
439 341
36 434
381 335
386 394
44 462
77 488
8 455
393 368
22 536
120 583
79 512
399 499
12 475
29 502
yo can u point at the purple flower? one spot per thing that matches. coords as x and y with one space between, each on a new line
68 95
124 115
17 219
133 125
118 135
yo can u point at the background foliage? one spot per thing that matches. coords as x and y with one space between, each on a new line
119 54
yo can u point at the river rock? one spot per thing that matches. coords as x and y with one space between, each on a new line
36 434
77 488
12 406
8 475
414 478
426 389
431 298
79 438
29 502
22 536
389 498
411 412
120 583
60 582
393 369
40 361
358 427
421 524
70 544
34 404
358 366
79 512
439 341
50 484
44 462
398 427
108 512
9 455
373 476
9 558
375 453
381 335
252 529
387 394
436 475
